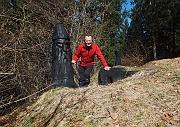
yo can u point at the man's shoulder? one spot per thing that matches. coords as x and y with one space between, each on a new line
81 45
94 45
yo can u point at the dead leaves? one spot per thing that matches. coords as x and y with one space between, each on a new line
171 120
78 125
4 122
114 115
167 117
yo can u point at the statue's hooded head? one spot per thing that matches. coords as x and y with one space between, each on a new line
60 32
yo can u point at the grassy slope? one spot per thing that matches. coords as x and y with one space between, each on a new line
149 98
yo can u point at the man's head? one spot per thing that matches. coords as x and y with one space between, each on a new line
88 40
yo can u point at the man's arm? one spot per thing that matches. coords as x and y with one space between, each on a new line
76 55
102 59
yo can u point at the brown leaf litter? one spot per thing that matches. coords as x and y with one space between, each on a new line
149 98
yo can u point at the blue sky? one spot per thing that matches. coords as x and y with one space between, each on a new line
128 6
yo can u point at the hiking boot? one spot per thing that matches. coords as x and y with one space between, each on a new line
87 80
81 83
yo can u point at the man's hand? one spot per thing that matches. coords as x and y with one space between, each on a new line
73 62
107 68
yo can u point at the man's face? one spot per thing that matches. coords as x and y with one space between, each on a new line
88 40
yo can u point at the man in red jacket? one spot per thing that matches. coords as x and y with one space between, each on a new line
87 51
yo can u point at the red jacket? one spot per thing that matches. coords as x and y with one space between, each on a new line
87 55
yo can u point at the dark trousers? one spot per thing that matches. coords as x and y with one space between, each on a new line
84 71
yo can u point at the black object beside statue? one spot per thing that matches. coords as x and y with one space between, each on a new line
62 70
114 74
118 58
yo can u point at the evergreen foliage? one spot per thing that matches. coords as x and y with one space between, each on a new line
156 24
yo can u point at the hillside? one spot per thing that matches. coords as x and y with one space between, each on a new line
149 98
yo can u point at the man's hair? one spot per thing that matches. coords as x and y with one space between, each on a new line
88 36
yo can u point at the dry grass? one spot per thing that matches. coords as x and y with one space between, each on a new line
149 98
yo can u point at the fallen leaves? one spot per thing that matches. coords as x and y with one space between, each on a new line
114 115
167 117
148 99
78 125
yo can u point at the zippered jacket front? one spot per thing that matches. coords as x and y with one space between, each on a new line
87 54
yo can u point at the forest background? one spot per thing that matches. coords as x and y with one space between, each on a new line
27 27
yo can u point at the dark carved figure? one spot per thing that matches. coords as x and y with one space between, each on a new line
114 74
62 70
118 58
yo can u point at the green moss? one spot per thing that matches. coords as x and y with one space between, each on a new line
29 121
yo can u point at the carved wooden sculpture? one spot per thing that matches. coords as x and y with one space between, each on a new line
62 70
